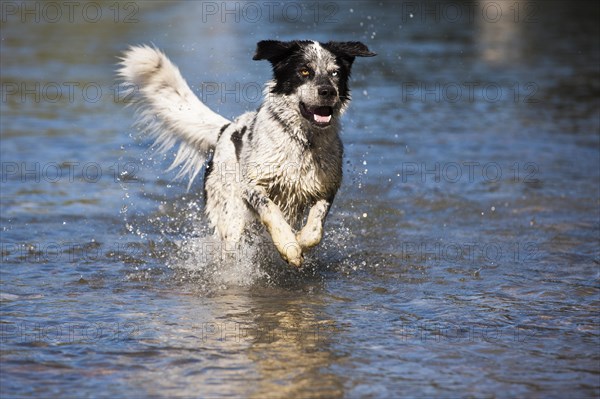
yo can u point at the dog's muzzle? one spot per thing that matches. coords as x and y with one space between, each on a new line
319 115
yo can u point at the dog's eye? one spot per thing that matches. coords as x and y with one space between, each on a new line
334 73
304 72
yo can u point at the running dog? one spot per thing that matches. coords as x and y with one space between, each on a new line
276 164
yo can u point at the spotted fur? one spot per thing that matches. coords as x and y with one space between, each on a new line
276 164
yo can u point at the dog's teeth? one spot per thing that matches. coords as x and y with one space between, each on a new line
322 119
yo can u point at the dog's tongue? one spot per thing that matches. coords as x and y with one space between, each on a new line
322 119
322 114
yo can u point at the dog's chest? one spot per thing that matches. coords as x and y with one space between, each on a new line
295 178
304 177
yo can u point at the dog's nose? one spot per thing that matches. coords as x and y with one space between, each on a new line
327 91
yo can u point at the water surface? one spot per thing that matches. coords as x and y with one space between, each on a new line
461 256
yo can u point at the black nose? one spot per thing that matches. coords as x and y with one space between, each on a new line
327 91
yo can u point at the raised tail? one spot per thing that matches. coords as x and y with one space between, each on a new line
168 109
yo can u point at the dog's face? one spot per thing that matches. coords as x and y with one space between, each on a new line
313 75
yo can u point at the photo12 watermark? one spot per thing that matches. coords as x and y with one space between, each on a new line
256 12
470 92
252 92
71 12
65 333
72 252
444 332
68 172
481 11
304 334
454 172
470 253
65 92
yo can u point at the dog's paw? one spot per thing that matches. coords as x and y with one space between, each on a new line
309 237
285 242
294 256
291 252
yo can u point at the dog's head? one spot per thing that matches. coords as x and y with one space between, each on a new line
312 75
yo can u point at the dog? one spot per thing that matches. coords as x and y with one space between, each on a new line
279 164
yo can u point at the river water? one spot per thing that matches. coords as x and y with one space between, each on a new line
461 256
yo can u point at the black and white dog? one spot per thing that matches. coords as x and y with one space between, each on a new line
275 164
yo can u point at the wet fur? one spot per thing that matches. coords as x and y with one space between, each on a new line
275 164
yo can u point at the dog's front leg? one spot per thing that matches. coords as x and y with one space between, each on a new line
312 232
271 217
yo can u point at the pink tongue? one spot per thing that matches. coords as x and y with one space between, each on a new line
322 119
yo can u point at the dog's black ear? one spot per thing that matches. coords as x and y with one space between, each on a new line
349 50
274 50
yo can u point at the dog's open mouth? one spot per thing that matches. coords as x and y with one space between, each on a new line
320 116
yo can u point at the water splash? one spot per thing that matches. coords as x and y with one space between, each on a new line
185 250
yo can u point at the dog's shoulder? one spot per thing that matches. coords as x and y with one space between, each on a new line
232 136
242 122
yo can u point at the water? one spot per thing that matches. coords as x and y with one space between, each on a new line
461 256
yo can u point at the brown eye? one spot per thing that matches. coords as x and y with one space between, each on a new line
304 72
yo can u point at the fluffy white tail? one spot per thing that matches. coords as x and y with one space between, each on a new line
168 109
